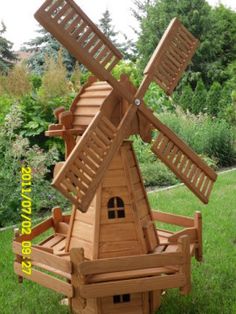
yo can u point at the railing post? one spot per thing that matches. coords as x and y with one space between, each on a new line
77 302
18 258
185 269
198 226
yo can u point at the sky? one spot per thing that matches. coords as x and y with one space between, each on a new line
21 25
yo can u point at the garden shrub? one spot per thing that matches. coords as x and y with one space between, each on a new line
15 152
211 137
157 174
5 104
18 81
54 80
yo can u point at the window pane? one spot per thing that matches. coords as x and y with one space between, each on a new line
111 203
111 214
121 213
116 299
126 297
120 203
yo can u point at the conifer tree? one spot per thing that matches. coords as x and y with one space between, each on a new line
213 99
7 56
199 100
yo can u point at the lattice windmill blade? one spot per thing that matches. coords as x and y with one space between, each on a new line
82 172
65 20
170 59
166 66
84 169
181 159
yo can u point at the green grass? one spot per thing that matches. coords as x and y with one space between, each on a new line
213 281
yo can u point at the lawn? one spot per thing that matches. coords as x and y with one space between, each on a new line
214 281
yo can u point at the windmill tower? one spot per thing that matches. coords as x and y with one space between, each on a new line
120 262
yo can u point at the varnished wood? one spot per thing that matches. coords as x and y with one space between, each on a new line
99 256
184 247
77 279
198 226
46 280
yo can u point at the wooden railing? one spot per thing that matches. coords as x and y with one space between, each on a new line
134 274
192 228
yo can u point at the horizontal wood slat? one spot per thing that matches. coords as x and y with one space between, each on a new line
130 263
37 230
46 280
131 286
172 219
43 257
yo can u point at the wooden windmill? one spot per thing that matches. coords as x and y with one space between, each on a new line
109 249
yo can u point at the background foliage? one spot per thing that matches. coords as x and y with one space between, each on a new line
202 110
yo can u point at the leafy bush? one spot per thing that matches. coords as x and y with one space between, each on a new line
15 152
157 174
18 81
211 137
54 80
5 103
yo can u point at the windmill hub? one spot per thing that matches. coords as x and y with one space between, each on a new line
137 102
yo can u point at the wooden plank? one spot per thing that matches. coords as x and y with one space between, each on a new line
118 232
96 94
131 263
131 286
46 280
172 219
184 246
90 102
71 223
82 231
37 230
60 246
78 303
82 110
190 232
52 270
45 258
87 217
79 243
117 246
198 226
155 300
56 239
96 222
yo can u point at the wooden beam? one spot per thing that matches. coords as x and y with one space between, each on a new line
198 226
99 290
172 219
185 269
78 303
37 230
46 280
130 263
45 258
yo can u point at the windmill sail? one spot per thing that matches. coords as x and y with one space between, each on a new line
82 172
93 153
170 59
65 20
183 161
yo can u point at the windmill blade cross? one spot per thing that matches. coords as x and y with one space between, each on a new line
73 29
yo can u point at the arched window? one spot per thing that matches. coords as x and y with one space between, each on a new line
116 208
